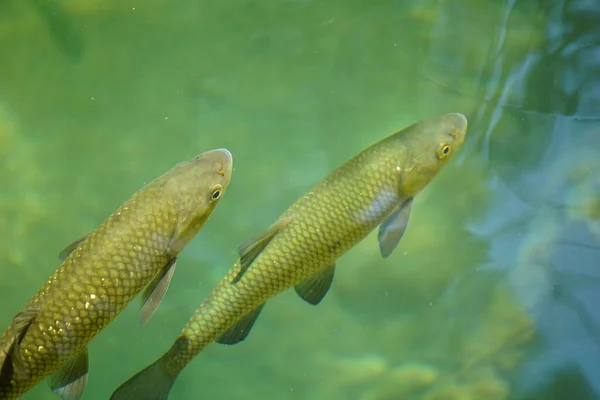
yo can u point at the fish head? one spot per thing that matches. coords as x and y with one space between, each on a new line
197 186
428 145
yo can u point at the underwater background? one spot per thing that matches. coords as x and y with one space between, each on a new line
494 291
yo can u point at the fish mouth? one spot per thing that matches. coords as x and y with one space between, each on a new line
459 125
462 120
222 160
226 163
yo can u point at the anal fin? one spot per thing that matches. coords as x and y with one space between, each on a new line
155 291
70 379
241 329
313 289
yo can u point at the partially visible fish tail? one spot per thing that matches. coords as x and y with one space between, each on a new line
151 383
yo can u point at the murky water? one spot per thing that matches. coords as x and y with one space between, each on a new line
493 291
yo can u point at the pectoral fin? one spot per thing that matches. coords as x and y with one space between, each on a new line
70 379
252 248
241 329
155 291
392 229
70 247
313 289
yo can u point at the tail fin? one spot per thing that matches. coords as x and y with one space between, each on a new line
152 383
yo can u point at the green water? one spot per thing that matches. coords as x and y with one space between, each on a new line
492 293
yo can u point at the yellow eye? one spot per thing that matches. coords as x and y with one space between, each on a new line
443 151
215 192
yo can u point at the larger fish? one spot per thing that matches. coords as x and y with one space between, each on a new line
135 247
300 249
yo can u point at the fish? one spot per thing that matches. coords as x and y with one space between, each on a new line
134 248
301 248
62 27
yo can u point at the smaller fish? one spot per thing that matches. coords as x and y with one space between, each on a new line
136 247
300 250
61 27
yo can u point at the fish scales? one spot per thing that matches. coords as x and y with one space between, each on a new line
66 324
107 269
375 188
324 226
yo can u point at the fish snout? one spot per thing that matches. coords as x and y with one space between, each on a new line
221 161
226 162
457 123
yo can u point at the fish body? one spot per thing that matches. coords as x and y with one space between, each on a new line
135 247
301 248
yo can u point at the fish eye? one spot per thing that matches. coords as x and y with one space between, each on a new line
216 191
443 151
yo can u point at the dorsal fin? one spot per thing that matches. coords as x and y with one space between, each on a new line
70 247
252 248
